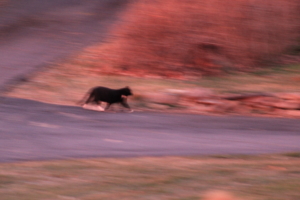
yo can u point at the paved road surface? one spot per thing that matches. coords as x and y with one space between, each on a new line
34 33
36 131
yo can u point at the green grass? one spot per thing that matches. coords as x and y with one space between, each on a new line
275 177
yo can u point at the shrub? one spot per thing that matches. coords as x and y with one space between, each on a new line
200 37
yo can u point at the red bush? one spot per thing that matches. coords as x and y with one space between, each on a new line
196 37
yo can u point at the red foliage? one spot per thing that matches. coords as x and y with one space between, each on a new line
200 37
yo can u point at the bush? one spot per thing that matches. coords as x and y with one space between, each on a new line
200 37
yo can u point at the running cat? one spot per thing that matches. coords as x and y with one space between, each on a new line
102 94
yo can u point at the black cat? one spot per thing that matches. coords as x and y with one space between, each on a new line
110 96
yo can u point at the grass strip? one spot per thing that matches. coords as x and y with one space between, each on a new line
263 177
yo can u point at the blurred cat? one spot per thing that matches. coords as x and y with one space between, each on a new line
102 94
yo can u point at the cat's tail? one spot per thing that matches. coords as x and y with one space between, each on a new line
83 100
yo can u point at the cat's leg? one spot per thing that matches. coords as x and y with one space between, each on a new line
91 96
107 106
125 104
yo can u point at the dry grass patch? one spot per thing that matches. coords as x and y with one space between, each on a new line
275 177
68 82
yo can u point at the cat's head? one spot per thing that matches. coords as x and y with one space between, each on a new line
127 91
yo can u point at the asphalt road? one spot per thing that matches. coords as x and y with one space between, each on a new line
32 130
35 33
